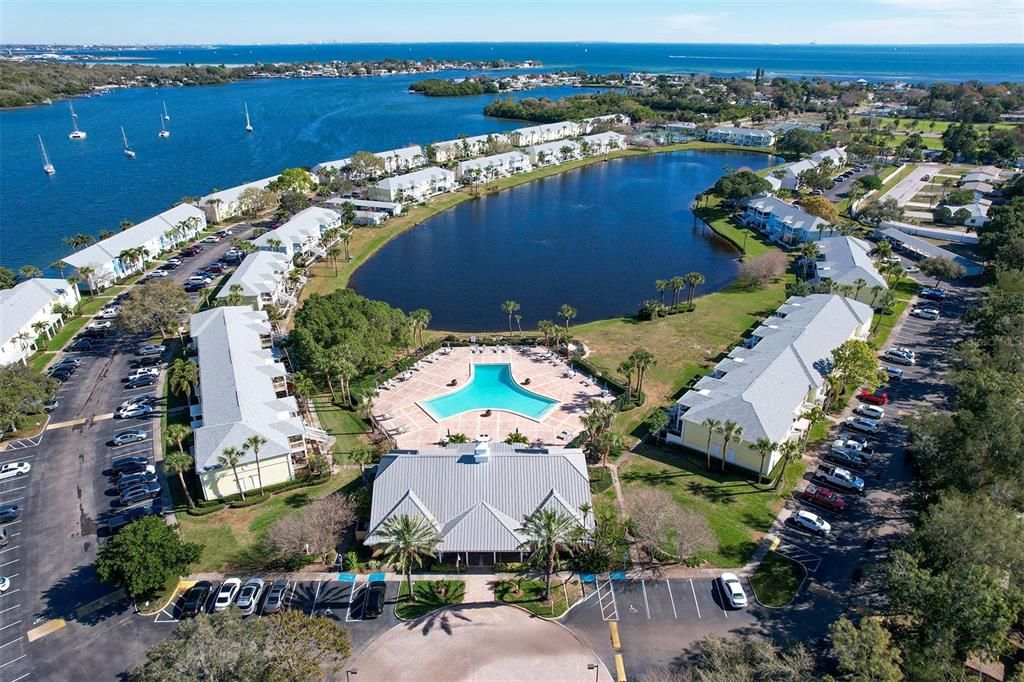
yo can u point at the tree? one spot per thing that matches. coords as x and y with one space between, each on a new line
736 188
693 280
800 141
869 183
365 165
179 462
87 273
610 443
183 377
788 451
661 285
819 177
302 648
144 555
866 653
161 304
627 369
229 457
22 392
854 362
325 520
517 438
293 180
291 202
729 431
664 530
643 360
255 442
713 426
546 327
567 313
234 296
877 212
421 320
7 278
404 542
30 271
759 271
764 447
546 531
818 205
942 269
657 422
751 659
510 308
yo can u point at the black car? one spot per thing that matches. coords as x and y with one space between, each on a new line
138 493
68 369
847 459
69 360
374 604
95 333
62 374
9 512
120 464
142 381
194 601
129 480
81 345
194 286
933 294
275 597
146 361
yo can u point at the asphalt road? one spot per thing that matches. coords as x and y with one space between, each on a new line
842 189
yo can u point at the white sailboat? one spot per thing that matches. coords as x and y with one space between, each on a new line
75 133
167 117
248 123
164 132
127 150
47 166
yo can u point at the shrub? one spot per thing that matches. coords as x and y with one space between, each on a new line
763 269
510 567
250 501
208 509
351 560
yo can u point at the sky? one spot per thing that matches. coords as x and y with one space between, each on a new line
201 22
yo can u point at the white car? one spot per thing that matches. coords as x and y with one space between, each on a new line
733 590
812 522
99 324
894 373
913 269
108 313
901 356
199 279
226 594
5 584
133 411
870 411
212 239
174 261
135 401
862 424
14 469
157 273
925 313
249 596
150 349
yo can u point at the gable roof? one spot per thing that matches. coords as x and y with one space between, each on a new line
505 159
784 212
19 304
478 506
307 223
110 249
844 260
259 273
410 180
231 194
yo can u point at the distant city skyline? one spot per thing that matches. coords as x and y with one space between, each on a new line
195 22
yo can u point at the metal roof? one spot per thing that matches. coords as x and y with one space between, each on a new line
110 249
19 304
761 388
785 212
505 159
927 249
309 223
231 194
410 180
259 273
844 260
478 506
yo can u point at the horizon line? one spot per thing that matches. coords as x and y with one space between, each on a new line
507 42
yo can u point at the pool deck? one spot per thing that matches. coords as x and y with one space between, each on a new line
397 408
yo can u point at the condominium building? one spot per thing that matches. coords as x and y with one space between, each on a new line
263 280
781 221
553 153
547 132
492 167
415 186
27 313
233 202
747 137
301 234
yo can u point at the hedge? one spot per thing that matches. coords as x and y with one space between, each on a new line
203 511
250 501
511 567
268 489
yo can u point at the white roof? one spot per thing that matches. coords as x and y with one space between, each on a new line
787 213
408 153
761 388
844 260
733 130
138 235
307 223
605 138
259 273
409 180
236 386
22 302
553 148
230 195
836 155
975 209
478 506
472 140
561 127
506 159
365 203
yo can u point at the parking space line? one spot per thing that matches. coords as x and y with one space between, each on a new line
10 625
647 606
351 600
291 595
13 561
16 679
13 641
8 594
694 590
11 608
671 598
9 549
6 525
4 665
716 590
16 499
11 490
312 609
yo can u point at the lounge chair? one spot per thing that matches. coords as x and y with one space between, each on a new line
384 417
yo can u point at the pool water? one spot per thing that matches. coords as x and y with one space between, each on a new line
491 387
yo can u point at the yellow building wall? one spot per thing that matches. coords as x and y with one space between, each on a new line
221 482
741 453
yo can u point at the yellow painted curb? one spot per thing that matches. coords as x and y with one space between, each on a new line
614 628
775 544
183 585
45 629
620 669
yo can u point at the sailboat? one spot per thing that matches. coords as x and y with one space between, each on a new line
163 129
248 123
75 133
167 117
127 150
47 166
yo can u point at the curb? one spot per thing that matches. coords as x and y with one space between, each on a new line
170 600
795 592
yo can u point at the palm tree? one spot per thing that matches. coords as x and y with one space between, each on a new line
407 541
86 273
229 458
125 224
30 271
676 284
510 308
662 286
693 280
875 291
183 378
304 388
765 447
234 296
713 425
254 443
40 328
627 368
730 431
789 450
60 266
546 530
519 323
813 416
642 360
858 285
274 243
421 320
179 462
610 442
882 251
567 312
546 327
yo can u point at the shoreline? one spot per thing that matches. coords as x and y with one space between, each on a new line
323 282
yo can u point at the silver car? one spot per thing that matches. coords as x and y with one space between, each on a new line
249 596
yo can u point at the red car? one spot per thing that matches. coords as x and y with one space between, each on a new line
823 497
876 398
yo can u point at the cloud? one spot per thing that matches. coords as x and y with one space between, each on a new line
993 9
684 22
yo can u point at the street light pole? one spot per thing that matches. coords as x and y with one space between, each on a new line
348 673
596 668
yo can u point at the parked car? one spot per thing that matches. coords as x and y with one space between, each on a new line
199 279
9 512
194 601
69 360
862 424
912 269
925 313
150 349
901 356
68 369
733 590
215 268
847 458
131 480
933 294
141 382
894 373
109 313
156 274
5 584
5 537
275 597
147 361
211 239
138 400
840 478
870 411
119 464
812 522
51 405
14 470
373 605
249 595
144 372
193 287
134 412
81 345
138 493
132 436
99 324
173 261
878 397
823 497
226 594
139 468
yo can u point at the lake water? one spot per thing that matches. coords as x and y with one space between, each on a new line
595 238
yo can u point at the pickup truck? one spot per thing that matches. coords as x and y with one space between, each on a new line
823 497
840 478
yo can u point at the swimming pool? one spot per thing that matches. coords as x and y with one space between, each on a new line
491 387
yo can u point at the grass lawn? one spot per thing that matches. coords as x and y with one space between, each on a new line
39 361
225 534
61 338
92 305
530 595
894 180
777 579
746 240
924 125
904 291
343 424
430 596
738 510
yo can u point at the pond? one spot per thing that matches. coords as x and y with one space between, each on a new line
595 238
